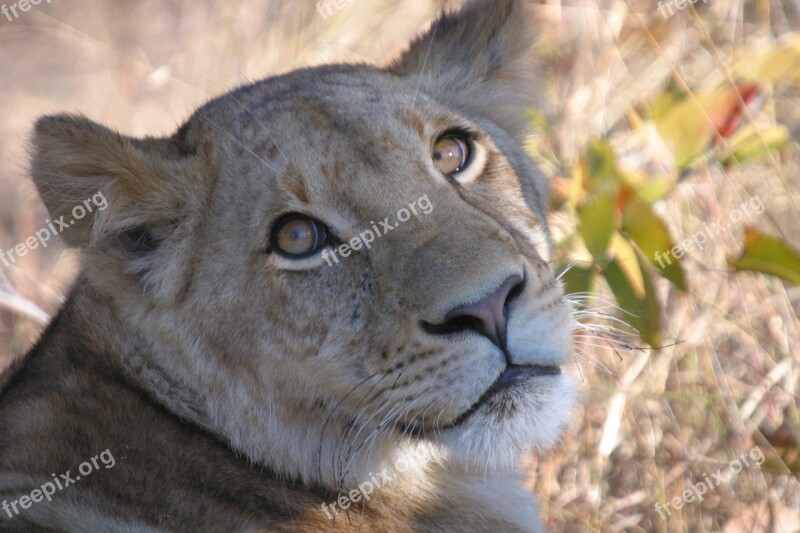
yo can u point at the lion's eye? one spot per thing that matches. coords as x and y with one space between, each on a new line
451 154
299 236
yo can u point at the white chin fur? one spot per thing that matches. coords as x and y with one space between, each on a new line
493 438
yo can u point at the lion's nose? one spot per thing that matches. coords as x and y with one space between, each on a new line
487 316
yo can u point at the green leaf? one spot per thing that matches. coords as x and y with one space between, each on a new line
643 308
624 254
650 234
663 103
600 166
769 255
778 64
648 187
649 325
687 129
747 145
579 279
598 221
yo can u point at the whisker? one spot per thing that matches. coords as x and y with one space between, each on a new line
332 412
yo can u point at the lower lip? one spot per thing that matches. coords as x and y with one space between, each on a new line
511 376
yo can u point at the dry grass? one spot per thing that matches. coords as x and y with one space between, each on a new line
653 422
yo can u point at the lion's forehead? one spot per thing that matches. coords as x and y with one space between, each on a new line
330 96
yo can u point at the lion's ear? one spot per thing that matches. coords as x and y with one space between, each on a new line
478 60
103 183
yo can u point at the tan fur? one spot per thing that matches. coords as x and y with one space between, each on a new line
240 390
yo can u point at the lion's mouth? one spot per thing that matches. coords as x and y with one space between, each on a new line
510 377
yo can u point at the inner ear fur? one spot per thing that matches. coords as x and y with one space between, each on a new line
76 163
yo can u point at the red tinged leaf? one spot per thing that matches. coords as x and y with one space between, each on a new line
727 114
626 194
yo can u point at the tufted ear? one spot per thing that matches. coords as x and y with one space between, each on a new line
97 183
478 60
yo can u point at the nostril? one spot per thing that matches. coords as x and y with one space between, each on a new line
488 316
454 325
512 295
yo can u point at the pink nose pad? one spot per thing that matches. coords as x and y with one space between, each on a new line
488 316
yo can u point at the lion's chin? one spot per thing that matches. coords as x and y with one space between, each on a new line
527 417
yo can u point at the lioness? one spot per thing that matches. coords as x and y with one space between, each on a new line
324 303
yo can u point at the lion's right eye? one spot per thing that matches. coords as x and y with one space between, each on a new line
451 153
297 236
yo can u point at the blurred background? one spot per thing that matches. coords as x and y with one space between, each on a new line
661 120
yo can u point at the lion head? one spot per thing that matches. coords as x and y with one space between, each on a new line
340 264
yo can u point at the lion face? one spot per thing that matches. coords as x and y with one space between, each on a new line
340 262
450 325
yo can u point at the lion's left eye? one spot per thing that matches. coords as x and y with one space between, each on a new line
298 236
